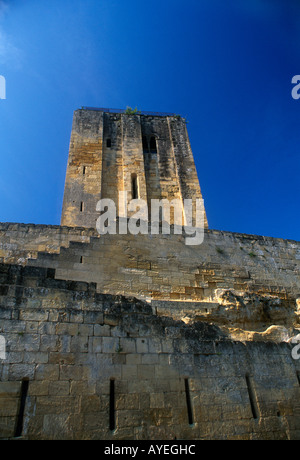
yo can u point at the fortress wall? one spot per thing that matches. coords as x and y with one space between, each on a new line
141 336
238 281
18 242
69 342
163 267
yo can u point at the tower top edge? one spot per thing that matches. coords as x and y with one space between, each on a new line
130 111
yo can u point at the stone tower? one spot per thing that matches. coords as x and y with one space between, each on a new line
123 338
148 155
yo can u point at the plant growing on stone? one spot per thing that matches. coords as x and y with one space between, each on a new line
130 111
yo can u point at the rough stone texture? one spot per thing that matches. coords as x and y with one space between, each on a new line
262 274
166 322
18 242
98 169
84 171
69 341
224 260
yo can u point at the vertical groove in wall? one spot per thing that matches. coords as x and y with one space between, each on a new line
20 418
121 185
188 402
252 397
112 422
102 161
175 162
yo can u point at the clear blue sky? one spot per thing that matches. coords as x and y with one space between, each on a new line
226 66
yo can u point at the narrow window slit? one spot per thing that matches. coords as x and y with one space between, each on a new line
20 419
81 206
153 148
252 397
145 144
298 376
81 260
108 143
112 422
188 402
83 170
134 186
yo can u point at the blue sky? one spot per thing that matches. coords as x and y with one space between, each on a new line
226 66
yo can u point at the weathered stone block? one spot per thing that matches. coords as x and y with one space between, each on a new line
47 372
8 406
21 371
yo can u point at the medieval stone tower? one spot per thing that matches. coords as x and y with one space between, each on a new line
147 155
141 336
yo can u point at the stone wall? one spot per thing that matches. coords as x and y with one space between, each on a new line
143 336
165 267
171 380
241 282
194 342
18 242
